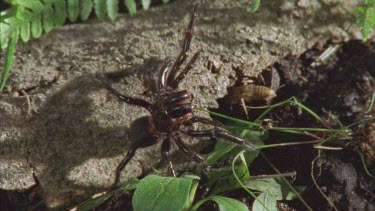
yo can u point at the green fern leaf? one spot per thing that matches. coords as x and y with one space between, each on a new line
131 5
59 11
25 31
100 8
36 25
253 7
365 19
112 9
146 4
73 10
86 7
47 15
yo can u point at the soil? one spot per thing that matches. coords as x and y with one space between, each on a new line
62 136
342 86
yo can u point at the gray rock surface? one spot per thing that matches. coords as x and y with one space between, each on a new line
70 134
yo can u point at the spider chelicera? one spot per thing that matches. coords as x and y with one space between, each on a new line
170 111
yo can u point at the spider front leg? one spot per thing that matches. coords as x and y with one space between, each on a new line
122 165
197 119
142 132
185 48
181 144
181 76
127 99
219 133
165 147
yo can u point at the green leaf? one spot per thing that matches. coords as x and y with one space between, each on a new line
131 5
225 149
146 4
228 204
96 201
47 14
85 7
162 193
100 8
59 11
222 148
223 179
73 10
269 201
35 6
253 7
25 30
112 9
36 25
275 187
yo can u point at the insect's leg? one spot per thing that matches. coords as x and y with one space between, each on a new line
219 133
181 144
187 68
125 98
165 147
185 47
203 120
122 165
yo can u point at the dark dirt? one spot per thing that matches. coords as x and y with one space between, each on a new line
343 85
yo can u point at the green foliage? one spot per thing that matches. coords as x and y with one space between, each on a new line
163 193
253 6
271 190
166 193
94 202
365 16
29 18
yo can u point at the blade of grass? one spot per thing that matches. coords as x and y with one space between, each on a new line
240 155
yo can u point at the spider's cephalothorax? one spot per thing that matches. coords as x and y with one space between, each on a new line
170 111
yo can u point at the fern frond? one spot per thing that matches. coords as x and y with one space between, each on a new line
132 6
146 4
253 7
112 9
73 10
365 17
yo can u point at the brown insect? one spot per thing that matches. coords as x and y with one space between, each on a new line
249 92
247 89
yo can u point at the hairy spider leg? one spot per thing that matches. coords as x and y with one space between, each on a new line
182 145
197 119
160 77
181 76
122 165
127 99
165 147
219 133
185 48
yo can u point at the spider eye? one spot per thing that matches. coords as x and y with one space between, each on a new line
179 111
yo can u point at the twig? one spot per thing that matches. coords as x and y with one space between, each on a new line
316 184
28 101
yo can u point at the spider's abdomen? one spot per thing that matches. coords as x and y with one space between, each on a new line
142 131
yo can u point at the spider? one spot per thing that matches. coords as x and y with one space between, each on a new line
171 111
